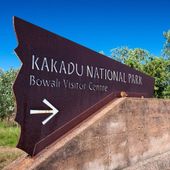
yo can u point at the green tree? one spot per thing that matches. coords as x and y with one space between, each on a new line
166 48
1 71
135 58
6 95
166 52
120 54
142 60
157 67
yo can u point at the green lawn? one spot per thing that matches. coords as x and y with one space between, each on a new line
9 134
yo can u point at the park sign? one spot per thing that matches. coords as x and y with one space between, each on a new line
61 83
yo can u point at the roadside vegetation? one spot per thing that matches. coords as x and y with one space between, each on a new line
9 134
9 130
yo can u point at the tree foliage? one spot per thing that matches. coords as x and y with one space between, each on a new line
157 67
135 58
166 48
6 94
166 52
142 60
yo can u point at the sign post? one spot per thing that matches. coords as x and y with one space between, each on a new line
61 83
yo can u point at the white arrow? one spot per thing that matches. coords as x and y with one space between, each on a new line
54 111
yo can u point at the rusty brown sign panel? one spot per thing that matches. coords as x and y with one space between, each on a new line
61 83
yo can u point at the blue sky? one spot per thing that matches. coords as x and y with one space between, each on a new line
96 24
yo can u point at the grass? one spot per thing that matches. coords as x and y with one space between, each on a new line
9 134
8 155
